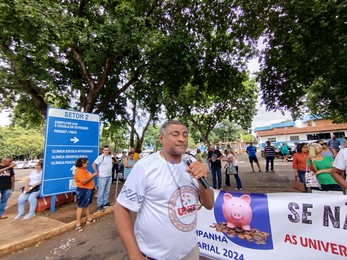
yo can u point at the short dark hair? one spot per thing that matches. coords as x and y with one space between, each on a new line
168 123
81 161
300 146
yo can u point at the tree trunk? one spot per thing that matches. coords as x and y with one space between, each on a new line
207 142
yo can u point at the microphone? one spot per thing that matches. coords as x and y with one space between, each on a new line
188 160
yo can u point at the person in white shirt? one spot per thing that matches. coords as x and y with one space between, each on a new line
103 166
165 194
30 193
340 166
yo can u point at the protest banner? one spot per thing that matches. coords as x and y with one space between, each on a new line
274 226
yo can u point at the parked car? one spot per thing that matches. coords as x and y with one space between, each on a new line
31 164
19 164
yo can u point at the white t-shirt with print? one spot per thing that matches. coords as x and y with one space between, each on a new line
340 161
104 163
157 190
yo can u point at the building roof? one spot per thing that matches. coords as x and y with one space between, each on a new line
276 125
309 129
283 124
261 128
310 118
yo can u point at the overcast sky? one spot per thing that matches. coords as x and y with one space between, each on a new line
4 118
264 118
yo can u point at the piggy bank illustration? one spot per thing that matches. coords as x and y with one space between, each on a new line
237 211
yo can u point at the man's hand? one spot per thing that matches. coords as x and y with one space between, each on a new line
197 170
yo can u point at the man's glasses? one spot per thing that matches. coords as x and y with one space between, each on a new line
323 143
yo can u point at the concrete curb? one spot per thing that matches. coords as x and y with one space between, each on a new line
30 241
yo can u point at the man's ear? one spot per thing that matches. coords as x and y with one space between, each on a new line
160 137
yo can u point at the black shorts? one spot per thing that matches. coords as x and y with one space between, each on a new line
84 197
253 159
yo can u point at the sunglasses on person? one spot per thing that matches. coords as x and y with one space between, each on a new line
323 143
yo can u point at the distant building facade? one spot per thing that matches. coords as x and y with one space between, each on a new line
312 128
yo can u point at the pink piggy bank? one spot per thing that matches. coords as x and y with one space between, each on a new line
237 211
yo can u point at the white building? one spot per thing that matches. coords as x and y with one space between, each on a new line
312 128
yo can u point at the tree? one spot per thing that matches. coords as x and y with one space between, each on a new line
249 138
20 142
151 138
75 51
235 101
226 131
304 61
85 55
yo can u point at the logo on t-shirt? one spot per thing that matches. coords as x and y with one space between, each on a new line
183 208
214 157
5 173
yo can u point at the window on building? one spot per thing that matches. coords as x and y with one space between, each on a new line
323 136
272 139
311 137
339 134
294 138
318 136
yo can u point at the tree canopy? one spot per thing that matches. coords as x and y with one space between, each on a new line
20 142
234 100
186 57
85 54
304 61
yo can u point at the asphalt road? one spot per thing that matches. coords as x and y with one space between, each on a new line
97 241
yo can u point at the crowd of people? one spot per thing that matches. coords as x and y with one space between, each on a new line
106 168
163 188
326 161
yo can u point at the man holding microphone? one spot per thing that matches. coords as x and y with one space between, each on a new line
165 193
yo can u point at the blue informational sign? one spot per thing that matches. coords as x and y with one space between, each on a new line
69 135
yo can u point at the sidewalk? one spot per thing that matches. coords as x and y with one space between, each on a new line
24 233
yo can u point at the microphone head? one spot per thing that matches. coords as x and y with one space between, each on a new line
188 159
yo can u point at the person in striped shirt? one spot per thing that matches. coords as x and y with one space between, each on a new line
269 151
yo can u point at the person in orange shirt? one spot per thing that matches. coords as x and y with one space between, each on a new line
300 161
85 186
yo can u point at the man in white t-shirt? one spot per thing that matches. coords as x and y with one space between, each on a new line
165 194
103 165
340 166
